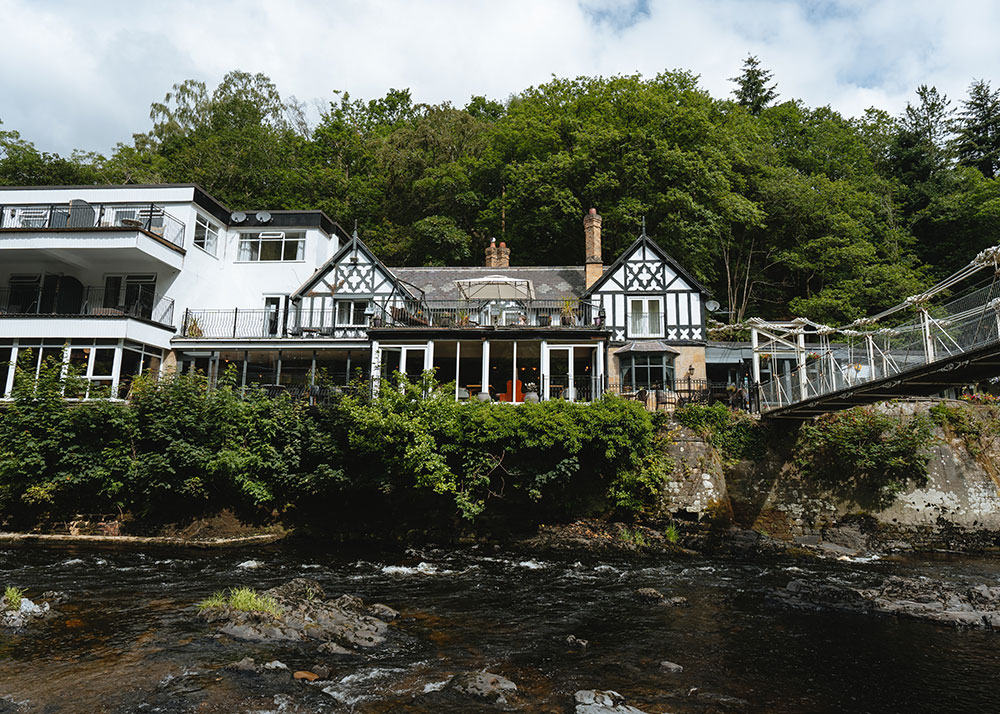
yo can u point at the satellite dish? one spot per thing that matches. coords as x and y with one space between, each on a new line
263 217
238 217
712 305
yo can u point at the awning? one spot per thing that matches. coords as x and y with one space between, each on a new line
495 287
648 346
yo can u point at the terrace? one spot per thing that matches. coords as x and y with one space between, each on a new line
75 300
85 217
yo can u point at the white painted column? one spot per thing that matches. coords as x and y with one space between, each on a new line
484 387
513 388
755 343
8 385
429 356
543 372
925 321
458 354
800 360
115 368
376 368
599 371
871 356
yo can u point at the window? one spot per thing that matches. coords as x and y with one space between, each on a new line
129 294
206 235
351 313
261 247
647 371
645 317
23 295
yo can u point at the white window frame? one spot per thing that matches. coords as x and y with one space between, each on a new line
353 310
260 237
646 301
210 236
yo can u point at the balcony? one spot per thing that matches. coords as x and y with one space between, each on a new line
492 314
92 302
250 324
142 235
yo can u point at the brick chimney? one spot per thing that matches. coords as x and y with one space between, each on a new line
592 244
491 254
503 256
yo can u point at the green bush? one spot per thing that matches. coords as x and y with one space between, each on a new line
865 455
736 434
180 449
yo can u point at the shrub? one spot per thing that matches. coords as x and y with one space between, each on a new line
865 455
736 434
12 597
242 599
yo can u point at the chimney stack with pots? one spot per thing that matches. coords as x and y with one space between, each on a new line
491 254
592 243
503 256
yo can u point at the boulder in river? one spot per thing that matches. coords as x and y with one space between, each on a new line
26 610
594 701
951 604
305 613
483 685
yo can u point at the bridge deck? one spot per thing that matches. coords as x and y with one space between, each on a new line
975 365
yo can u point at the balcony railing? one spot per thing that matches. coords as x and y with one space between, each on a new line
81 214
241 323
130 301
690 391
488 313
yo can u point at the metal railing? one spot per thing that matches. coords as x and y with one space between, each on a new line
130 301
691 391
242 323
570 313
80 214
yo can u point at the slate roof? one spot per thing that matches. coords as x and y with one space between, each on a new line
548 282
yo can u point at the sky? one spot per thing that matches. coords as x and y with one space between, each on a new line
82 75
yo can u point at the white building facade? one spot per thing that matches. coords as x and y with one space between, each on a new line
120 280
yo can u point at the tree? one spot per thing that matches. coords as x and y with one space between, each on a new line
977 140
752 90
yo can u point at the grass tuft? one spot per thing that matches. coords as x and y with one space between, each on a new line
13 597
243 599
671 534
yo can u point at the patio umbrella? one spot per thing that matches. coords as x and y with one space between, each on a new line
495 287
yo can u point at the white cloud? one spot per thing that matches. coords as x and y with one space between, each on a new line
78 75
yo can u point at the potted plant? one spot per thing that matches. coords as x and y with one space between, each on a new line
531 393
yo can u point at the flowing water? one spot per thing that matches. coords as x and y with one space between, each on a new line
126 639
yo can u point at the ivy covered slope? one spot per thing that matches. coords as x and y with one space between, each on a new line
777 207
412 458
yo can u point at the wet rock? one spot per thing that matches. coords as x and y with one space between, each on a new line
574 641
650 596
334 649
916 598
321 670
483 685
306 613
305 675
676 601
383 612
671 667
275 664
27 610
723 701
593 701
246 664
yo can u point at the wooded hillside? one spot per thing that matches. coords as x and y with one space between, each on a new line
779 208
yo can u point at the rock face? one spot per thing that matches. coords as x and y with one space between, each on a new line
593 701
697 484
346 623
921 599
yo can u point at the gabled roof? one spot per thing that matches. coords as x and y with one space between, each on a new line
353 244
664 256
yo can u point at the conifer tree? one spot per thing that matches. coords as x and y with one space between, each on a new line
752 90
977 140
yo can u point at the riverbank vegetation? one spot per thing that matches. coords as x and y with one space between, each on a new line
242 599
411 458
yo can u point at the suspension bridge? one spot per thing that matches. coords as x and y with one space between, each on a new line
947 336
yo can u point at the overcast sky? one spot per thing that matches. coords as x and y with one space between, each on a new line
83 74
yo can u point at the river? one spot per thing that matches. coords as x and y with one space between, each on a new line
126 639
